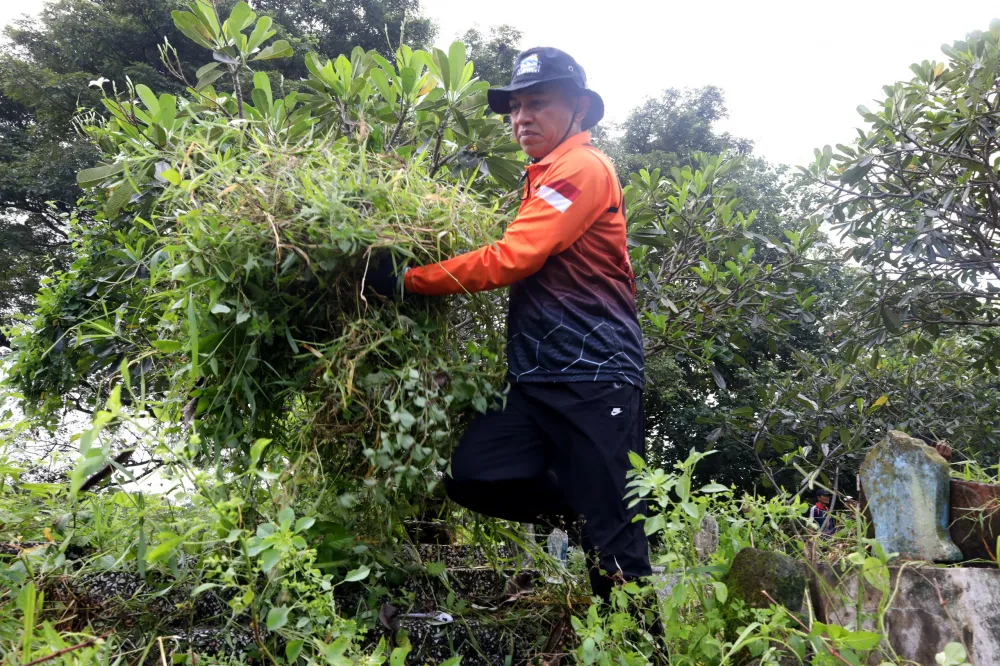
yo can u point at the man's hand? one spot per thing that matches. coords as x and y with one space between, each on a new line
384 277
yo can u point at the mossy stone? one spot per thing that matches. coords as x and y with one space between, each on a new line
754 571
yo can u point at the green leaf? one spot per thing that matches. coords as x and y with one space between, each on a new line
149 99
165 548
381 83
456 63
258 448
304 523
954 653
167 346
205 11
713 488
119 197
357 574
441 61
27 600
721 591
193 335
261 32
268 559
291 341
210 67
277 617
99 174
171 176
399 654
654 524
292 650
720 381
408 79
861 640
209 78
891 319
263 83
204 587
193 28
239 18
168 112
279 49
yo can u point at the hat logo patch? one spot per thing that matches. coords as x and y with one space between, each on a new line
529 65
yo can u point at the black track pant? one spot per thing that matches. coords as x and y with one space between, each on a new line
560 450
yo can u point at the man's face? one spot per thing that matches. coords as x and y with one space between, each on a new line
541 115
824 500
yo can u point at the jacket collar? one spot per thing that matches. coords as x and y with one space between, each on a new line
569 144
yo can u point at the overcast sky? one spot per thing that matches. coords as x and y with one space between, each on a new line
793 71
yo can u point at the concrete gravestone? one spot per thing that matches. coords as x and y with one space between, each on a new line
706 539
907 486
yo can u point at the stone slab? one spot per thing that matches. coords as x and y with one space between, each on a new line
479 642
917 624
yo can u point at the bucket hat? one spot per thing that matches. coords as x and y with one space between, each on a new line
541 65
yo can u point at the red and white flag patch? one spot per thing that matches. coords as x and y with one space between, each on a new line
559 194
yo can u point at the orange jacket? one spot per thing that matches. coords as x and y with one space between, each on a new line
571 314
574 186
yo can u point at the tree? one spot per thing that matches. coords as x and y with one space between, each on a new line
737 283
332 27
919 196
666 131
493 55
44 77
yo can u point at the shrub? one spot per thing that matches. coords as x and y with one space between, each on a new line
222 253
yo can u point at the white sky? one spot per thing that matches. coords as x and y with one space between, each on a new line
793 71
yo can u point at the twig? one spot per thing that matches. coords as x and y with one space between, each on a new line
832 650
944 607
163 657
71 648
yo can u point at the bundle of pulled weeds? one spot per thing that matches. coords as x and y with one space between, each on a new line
235 300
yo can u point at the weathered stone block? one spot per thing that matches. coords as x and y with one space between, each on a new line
931 607
478 642
907 487
755 571
706 539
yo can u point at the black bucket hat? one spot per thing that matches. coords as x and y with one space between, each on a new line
540 65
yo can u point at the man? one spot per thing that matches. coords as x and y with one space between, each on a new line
574 412
820 513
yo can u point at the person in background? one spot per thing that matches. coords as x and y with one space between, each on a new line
820 513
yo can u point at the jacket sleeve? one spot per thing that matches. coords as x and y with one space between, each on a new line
575 193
